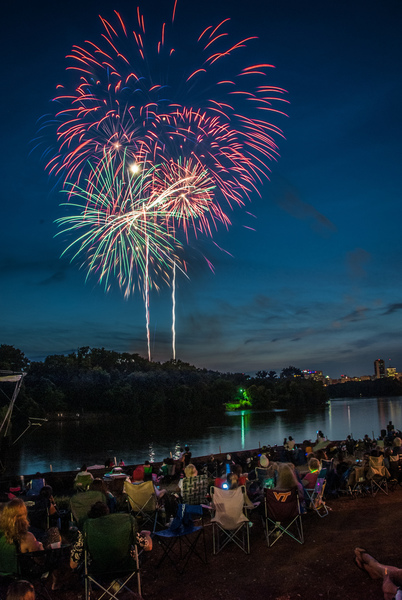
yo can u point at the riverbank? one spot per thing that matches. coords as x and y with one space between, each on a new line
322 568
62 482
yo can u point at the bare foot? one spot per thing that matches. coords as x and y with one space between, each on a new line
365 561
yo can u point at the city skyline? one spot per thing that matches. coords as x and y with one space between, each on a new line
307 274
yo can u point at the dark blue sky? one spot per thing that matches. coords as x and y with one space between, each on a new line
316 285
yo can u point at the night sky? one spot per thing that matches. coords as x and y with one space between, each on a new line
309 273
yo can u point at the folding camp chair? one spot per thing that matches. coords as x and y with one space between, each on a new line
358 482
143 503
80 505
395 469
179 541
36 485
230 523
33 565
378 474
82 482
8 556
282 516
315 497
38 514
111 556
195 489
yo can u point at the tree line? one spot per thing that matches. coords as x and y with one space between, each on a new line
100 380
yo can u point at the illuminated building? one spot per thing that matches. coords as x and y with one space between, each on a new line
379 369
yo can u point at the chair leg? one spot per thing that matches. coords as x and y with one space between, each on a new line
231 536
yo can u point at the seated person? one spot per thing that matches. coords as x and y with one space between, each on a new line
138 477
242 477
14 526
46 501
164 468
287 480
20 590
83 473
147 471
15 489
321 454
261 469
232 481
189 471
391 576
52 538
397 446
266 472
310 479
98 485
138 474
100 509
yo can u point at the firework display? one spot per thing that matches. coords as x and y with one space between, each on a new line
151 152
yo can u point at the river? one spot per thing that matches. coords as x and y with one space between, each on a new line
67 444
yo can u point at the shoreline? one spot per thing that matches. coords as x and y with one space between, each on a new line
322 568
63 480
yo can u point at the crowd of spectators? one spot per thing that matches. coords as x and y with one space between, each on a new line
283 468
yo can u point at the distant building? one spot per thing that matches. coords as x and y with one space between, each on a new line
391 372
316 375
379 369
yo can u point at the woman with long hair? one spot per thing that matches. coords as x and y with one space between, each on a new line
287 480
14 525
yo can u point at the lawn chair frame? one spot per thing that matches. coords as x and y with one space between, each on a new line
282 516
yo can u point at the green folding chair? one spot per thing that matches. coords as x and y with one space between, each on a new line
80 504
82 482
9 558
111 556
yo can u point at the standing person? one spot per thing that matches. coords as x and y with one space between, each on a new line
290 444
186 458
289 449
390 428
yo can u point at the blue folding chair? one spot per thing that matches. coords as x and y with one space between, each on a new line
179 541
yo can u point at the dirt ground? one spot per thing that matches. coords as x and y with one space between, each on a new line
321 568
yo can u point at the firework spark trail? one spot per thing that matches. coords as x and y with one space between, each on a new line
118 230
134 103
126 101
174 312
147 296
